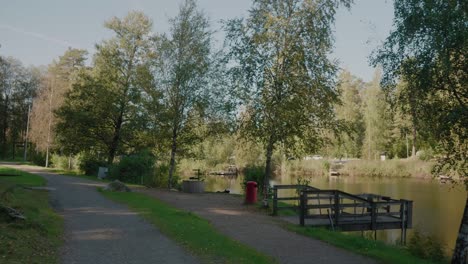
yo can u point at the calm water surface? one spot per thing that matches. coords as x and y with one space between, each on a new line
437 207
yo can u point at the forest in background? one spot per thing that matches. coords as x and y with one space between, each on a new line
162 102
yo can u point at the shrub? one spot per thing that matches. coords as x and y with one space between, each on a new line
89 164
256 174
38 158
159 177
133 168
426 247
64 162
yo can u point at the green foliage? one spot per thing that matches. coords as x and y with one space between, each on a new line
36 239
61 162
256 174
426 247
89 163
374 249
37 158
395 168
55 83
192 232
136 168
349 142
104 107
18 85
427 49
377 120
182 69
282 74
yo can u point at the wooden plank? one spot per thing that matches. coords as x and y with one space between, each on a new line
287 199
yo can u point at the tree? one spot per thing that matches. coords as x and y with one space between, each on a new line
103 108
377 119
284 77
55 83
182 71
17 86
429 43
350 111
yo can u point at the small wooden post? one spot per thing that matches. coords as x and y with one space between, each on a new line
373 216
302 208
337 207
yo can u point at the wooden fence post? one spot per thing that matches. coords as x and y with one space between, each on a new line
302 208
337 207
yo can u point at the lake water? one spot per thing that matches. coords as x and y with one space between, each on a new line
437 207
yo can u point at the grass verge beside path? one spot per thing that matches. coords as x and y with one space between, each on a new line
36 239
375 249
76 174
192 232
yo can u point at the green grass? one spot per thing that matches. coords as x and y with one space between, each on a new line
378 250
192 232
36 239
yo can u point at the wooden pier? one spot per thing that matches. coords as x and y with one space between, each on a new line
340 210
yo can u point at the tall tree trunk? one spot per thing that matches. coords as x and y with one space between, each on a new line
173 154
413 150
268 170
5 128
115 140
460 254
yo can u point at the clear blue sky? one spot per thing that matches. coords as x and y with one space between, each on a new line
36 32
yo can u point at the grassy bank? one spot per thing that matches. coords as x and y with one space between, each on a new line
36 239
192 232
378 250
395 168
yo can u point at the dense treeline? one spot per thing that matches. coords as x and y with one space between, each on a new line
148 103
18 86
174 96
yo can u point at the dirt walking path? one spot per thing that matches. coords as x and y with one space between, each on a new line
260 231
100 231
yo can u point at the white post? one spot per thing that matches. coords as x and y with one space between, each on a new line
50 124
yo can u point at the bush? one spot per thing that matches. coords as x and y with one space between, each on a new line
426 247
256 174
160 176
38 158
89 164
64 162
135 168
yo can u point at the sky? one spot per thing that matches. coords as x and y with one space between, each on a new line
37 32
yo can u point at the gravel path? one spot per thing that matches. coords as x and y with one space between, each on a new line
100 231
257 230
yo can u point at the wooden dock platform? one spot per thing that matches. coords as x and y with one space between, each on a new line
344 211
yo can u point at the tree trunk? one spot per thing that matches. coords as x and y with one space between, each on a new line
413 151
268 170
115 140
173 154
5 128
460 254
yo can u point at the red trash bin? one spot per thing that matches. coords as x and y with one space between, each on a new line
251 192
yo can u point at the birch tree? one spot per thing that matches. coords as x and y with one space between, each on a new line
54 85
285 79
182 71
429 43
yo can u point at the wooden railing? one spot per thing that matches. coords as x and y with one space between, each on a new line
341 206
290 206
